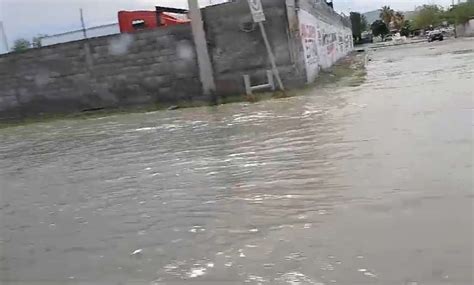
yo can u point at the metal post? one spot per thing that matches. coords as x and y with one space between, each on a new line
248 86
271 57
205 68
270 80
83 24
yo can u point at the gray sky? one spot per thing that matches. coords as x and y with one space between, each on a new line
27 18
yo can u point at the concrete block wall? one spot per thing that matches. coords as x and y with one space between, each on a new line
305 35
160 66
236 44
466 30
149 67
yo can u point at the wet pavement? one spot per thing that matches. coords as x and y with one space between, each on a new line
368 184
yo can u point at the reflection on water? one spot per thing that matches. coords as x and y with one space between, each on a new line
290 191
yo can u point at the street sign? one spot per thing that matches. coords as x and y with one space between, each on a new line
256 9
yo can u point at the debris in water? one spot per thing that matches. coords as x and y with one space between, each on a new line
196 229
196 272
327 267
137 252
268 265
369 274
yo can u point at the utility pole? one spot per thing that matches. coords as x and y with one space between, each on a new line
206 73
84 31
87 47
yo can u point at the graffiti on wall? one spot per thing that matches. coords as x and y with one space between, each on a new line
323 43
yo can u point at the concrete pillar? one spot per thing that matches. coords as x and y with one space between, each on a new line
294 38
3 40
206 73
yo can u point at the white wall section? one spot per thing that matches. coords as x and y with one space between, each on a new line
323 43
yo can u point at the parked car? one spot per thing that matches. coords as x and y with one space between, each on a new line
435 36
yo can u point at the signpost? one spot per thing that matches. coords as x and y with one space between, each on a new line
256 9
258 16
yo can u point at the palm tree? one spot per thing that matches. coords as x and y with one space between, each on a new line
387 14
398 20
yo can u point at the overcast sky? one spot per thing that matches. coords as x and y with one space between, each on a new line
27 18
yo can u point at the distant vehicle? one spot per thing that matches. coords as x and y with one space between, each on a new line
436 35
367 38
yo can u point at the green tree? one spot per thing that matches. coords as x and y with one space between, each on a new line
379 28
398 20
36 43
364 25
356 21
461 13
386 14
427 16
21 45
406 29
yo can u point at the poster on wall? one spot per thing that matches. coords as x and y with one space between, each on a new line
309 37
310 47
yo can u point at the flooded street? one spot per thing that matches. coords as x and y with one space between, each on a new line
368 184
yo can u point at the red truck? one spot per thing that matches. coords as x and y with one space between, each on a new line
132 21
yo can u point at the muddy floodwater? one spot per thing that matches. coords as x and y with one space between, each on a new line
368 184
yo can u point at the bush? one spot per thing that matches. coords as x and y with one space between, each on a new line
21 45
